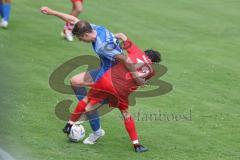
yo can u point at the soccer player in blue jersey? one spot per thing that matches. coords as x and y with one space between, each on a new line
108 49
5 9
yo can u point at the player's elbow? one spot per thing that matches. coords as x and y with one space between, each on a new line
122 58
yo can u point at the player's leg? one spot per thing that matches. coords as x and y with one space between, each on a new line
6 9
77 8
1 8
80 108
131 129
93 117
78 83
84 106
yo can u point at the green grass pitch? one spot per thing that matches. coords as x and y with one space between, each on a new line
199 41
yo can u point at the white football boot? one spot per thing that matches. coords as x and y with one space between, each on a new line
67 34
3 24
93 137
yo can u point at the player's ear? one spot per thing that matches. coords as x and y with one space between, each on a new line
86 34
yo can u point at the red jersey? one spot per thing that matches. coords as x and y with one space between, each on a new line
117 83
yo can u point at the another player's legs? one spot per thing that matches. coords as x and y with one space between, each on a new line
93 118
130 127
78 83
77 8
1 9
5 9
75 115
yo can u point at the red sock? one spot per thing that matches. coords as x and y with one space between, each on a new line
130 127
68 26
78 111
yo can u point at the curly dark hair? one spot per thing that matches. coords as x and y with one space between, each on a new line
153 55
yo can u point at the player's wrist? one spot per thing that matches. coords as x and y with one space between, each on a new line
127 44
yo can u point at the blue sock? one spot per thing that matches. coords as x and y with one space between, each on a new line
94 120
1 9
80 92
6 11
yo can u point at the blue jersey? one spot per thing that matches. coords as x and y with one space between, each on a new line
106 47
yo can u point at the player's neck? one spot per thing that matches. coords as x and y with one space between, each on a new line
94 36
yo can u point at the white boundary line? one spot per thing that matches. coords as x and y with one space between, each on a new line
5 156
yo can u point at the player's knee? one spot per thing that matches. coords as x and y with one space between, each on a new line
85 99
126 114
75 81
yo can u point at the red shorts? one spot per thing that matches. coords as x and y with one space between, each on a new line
102 90
74 1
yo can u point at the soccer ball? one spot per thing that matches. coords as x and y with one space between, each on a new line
77 133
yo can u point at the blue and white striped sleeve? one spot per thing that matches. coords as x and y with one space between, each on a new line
110 50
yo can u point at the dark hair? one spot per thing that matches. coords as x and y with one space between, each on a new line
82 27
154 56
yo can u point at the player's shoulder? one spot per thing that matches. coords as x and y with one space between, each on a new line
98 27
105 37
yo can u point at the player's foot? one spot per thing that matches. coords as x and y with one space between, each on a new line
67 34
3 24
93 137
67 128
140 148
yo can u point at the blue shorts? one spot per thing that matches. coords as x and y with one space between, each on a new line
96 74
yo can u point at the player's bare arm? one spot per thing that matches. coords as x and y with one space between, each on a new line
132 69
121 36
66 17
141 76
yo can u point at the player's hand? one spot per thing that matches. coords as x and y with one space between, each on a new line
46 10
121 36
140 81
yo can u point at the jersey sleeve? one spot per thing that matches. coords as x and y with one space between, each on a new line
109 50
130 47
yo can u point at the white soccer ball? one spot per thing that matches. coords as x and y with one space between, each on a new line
77 133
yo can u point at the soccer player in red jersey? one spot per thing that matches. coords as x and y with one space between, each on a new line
77 8
117 84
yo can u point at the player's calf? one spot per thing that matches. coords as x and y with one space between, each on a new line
130 127
75 115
